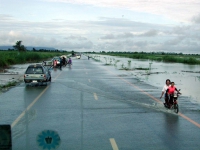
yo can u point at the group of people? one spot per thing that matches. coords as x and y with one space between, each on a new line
63 62
168 91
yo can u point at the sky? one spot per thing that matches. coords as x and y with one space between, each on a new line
102 25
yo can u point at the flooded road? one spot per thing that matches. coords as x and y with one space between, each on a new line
94 106
186 77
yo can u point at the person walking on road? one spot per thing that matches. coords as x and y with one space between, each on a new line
55 63
61 63
70 62
64 61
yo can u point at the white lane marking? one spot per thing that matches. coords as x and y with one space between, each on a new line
35 100
23 113
114 144
95 96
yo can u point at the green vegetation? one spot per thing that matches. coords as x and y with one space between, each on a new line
18 46
9 84
165 57
14 57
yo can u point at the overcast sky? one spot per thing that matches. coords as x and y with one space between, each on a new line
103 25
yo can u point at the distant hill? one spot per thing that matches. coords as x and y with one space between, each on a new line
27 47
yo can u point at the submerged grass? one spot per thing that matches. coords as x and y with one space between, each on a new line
174 58
8 85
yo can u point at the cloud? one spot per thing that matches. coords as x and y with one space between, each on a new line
175 41
149 33
179 10
196 19
79 38
5 17
77 45
127 35
121 22
30 40
108 36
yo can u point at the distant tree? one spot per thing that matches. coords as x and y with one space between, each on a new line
18 46
34 49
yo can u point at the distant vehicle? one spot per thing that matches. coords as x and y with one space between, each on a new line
37 74
78 55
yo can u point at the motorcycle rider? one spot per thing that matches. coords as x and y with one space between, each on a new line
166 86
170 92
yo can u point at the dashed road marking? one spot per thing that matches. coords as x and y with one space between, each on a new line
114 144
188 119
95 96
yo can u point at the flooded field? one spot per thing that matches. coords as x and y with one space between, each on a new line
186 77
12 74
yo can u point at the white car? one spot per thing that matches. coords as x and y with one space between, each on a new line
78 56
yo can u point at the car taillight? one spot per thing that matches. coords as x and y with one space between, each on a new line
44 75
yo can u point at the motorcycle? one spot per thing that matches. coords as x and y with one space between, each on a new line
173 103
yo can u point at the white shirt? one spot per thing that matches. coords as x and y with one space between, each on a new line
165 88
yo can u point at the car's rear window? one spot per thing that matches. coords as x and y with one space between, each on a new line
34 70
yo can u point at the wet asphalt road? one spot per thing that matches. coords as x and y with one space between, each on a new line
95 107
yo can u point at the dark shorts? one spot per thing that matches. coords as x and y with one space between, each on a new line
171 99
166 96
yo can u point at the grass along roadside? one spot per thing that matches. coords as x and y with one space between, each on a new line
8 58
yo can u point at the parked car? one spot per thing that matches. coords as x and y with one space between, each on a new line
37 74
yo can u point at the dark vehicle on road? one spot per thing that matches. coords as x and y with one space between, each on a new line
37 74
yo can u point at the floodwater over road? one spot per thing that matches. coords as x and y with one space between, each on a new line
93 106
186 77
